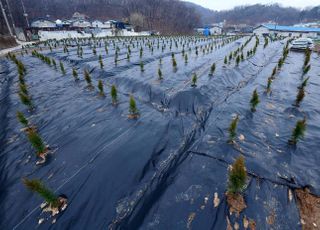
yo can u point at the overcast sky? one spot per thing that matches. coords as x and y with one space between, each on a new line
228 4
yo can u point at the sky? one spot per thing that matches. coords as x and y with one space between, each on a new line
228 4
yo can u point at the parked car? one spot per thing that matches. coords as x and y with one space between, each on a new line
302 44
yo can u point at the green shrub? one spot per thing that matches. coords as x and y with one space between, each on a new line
237 176
141 66
38 187
298 131
254 100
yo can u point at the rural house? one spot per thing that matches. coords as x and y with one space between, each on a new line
273 29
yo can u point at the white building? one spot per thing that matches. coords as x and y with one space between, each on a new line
81 24
43 23
98 24
288 31
79 16
215 30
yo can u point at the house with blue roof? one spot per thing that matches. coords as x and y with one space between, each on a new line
288 31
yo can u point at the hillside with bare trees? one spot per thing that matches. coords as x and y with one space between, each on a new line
166 16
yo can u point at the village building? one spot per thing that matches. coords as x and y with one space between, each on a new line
43 23
215 30
81 24
79 16
98 24
290 31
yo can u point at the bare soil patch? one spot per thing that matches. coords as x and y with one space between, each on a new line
309 208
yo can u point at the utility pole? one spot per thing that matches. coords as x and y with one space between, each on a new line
5 18
10 14
25 13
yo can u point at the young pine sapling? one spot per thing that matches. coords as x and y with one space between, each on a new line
194 80
38 187
298 132
133 111
62 68
114 94
254 100
54 203
23 88
75 74
160 74
233 129
22 119
25 99
269 84
299 97
212 69
100 87
306 69
237 176
304 83
174 63
101 62
87 78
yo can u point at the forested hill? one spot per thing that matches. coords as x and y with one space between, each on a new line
256 14
166 16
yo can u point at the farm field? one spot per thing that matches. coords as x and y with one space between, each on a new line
137 133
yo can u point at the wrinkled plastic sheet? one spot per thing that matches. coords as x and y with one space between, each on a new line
160 171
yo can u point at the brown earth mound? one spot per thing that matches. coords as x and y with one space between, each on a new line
309 208
7 42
